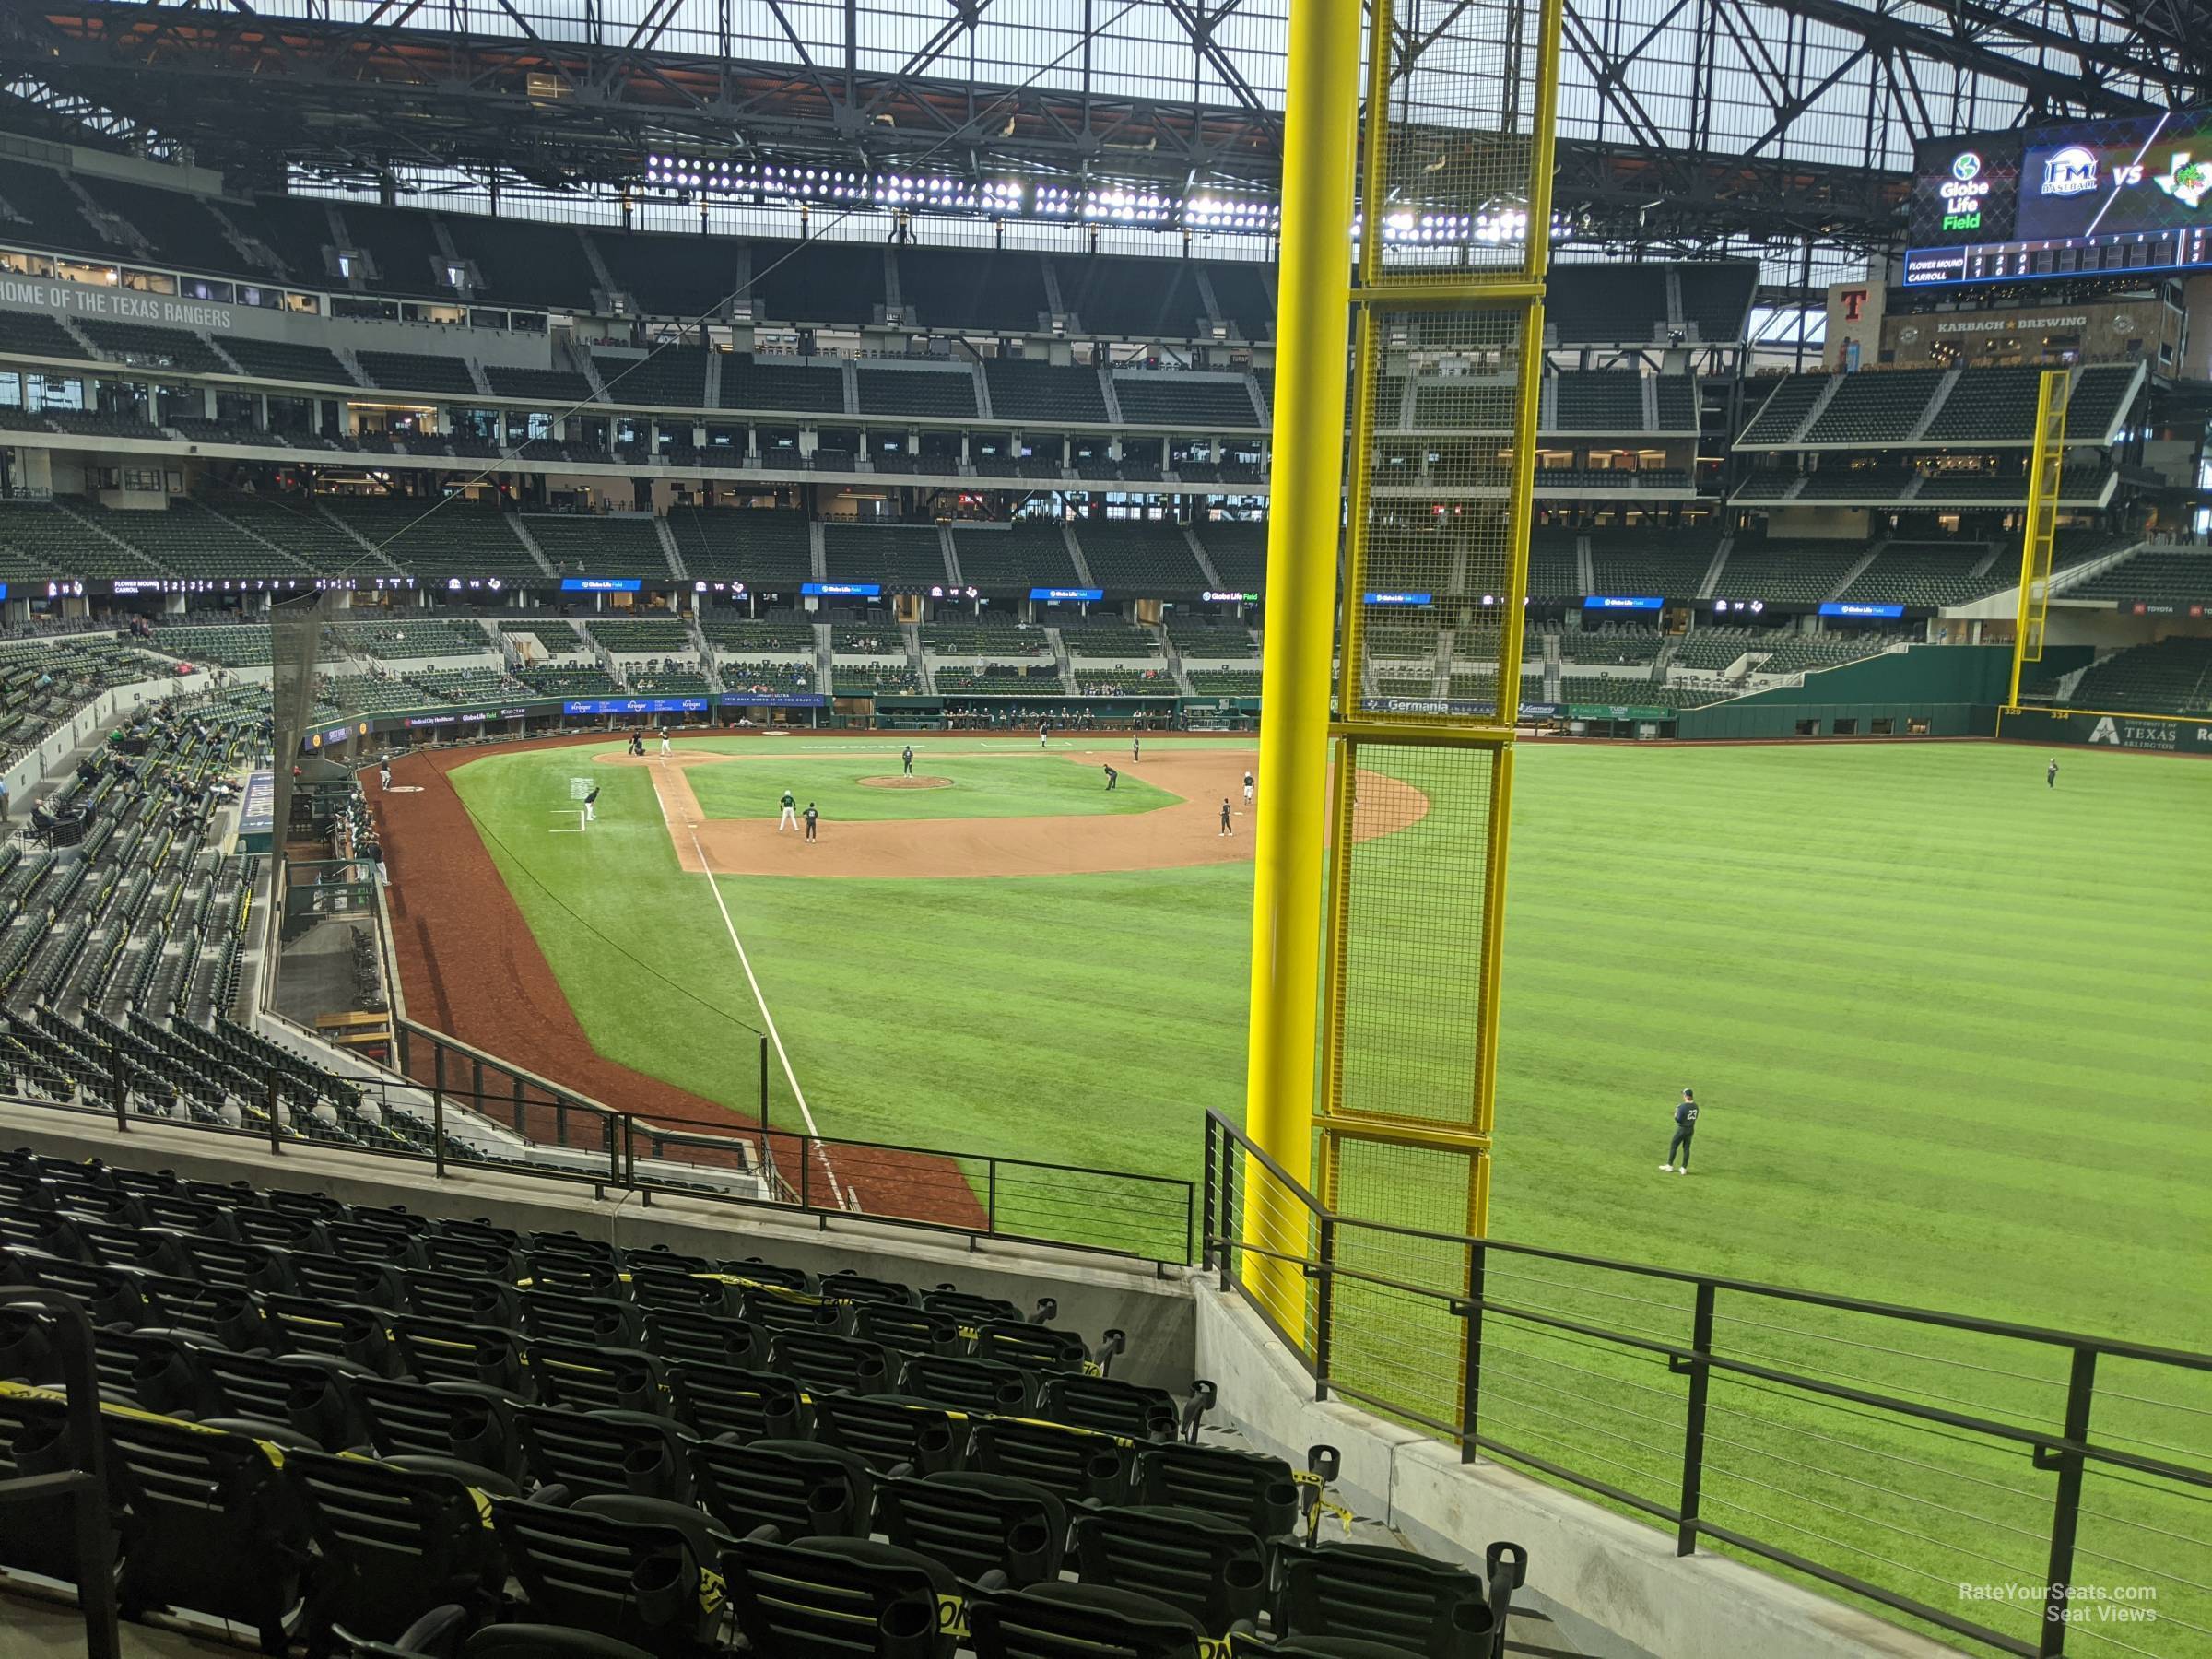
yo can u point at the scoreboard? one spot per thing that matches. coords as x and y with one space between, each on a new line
2090 198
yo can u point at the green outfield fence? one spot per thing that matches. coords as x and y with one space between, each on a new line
2038 1492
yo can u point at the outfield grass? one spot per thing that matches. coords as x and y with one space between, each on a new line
1948 1028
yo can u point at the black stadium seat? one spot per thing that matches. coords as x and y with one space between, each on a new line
1210 1567
800 1489
977 1523
824 1598
1425 1608
1082 1621
641 1571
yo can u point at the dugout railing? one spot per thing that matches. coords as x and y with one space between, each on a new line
2036 1491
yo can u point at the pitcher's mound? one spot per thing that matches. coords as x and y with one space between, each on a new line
906 782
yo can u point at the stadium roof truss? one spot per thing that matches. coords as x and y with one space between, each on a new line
1682 121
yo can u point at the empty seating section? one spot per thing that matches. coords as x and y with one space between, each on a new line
401 246
456 540
1783 409
747 637
1137 298
280 360
29 335
1000 679
561 387
399 1416
1136 557
2100 398
608 545
568 681
233 644
673 377
518 263
1224 682
1991 406
1875 406
948 289
1106 639
1193 402
1014 558
555 636
764 548
1451 403
144 345
794 383
817 281
185 539
903 557
406 635
56 217
688 276
1023 389
1669 563
941 391
416 372
59 540
971 640
1553 570
1787 573
1242 296
657 635
365 694
2170 676
1607 304
1200 641
1238 551
1930 574
1612 644
1798 653
2181 574
875 679
465 685
303 531
1677 395
1605 400
1716 297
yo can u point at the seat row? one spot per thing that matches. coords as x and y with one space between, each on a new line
243 1522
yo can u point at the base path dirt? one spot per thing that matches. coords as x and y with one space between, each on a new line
470 966
1173 837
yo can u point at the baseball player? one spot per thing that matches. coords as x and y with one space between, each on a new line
637 744
2049 776
1044 733
1686 1125
663 743
383 775
1247 789
1226 829
1113 778
590 805
906 761
1137 748
812 818
790 816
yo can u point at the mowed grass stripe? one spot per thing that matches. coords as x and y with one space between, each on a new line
1948 1024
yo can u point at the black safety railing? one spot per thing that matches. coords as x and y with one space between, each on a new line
445 1105
79 1475
2038 1491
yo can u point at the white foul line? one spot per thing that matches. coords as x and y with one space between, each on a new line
746 963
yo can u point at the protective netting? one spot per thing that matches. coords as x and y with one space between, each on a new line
1432 547
1453 172
296 627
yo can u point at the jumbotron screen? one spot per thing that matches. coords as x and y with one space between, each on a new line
2090 198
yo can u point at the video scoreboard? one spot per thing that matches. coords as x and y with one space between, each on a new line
2090 198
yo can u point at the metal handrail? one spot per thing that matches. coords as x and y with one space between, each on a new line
85 1483
1234 1164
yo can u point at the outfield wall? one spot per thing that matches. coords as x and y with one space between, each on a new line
2148 734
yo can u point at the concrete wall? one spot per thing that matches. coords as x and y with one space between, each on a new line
1614 1586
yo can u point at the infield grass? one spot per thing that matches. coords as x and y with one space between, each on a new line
1949 1028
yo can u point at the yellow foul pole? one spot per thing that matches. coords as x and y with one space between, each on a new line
1319 127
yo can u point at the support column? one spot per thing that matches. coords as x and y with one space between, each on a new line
1320 120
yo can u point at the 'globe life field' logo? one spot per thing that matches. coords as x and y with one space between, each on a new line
1962 193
